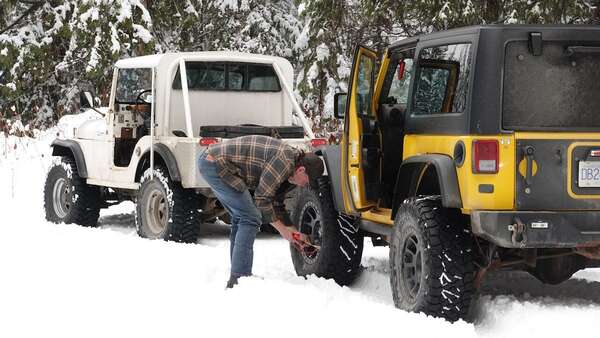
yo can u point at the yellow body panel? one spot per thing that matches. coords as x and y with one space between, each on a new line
503 196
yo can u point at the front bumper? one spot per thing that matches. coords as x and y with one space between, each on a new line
538 229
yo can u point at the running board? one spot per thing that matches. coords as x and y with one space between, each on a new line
112 184
376 228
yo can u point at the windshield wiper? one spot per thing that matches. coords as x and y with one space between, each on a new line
572 50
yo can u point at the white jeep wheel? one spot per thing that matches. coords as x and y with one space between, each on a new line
165 210
68 198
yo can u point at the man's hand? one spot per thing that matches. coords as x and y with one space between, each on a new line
299 240
287 231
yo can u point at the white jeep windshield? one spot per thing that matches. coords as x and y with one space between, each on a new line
131 82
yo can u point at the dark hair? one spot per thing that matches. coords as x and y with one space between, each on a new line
300 158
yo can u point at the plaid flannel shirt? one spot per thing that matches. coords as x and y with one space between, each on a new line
259 163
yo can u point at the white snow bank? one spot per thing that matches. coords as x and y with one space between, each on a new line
69 281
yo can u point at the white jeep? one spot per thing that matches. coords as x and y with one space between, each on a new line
146 145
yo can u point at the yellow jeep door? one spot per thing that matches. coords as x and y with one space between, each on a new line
361 143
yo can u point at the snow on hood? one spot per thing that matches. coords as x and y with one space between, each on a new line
68 123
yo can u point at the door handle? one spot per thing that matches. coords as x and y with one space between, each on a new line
528 153
354 165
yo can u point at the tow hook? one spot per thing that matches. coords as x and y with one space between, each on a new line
518 232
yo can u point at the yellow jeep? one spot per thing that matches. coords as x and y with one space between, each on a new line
465 151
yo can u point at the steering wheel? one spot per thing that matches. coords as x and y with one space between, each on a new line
139 98
145 115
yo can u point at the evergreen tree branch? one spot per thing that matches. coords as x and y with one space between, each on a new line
34 6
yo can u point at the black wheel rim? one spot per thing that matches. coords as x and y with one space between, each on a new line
411 266
310 224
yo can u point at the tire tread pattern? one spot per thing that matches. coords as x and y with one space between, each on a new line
342 245
449 287
184 219
85 210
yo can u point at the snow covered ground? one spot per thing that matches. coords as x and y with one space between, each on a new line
70 281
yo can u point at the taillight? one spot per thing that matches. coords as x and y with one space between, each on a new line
485 156
595 153
206 141
317 142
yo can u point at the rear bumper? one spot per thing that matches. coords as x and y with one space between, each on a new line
538 229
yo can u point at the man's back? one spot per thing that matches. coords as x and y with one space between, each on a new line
243 160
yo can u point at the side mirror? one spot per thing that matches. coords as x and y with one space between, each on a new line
339 105
86 100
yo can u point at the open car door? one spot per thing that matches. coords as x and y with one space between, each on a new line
361 149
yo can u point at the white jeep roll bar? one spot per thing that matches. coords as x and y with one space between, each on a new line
296 109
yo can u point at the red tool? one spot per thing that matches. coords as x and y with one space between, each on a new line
305 248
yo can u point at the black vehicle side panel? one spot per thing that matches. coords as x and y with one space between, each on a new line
170 161
410 172
332 156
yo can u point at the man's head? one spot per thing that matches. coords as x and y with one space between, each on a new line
308 169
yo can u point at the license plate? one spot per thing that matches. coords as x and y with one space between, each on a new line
589 174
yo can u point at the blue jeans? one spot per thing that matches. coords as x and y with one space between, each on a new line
245 217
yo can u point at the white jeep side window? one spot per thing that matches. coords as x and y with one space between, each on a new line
202 76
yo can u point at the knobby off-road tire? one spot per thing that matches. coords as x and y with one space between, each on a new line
341 244
165 210
68 198
431 260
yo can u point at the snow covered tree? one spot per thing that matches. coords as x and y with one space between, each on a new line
595 9
332 29
56 48
437 15
257 26
50 50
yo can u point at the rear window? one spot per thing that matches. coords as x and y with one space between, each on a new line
229 76
442 79
559 89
